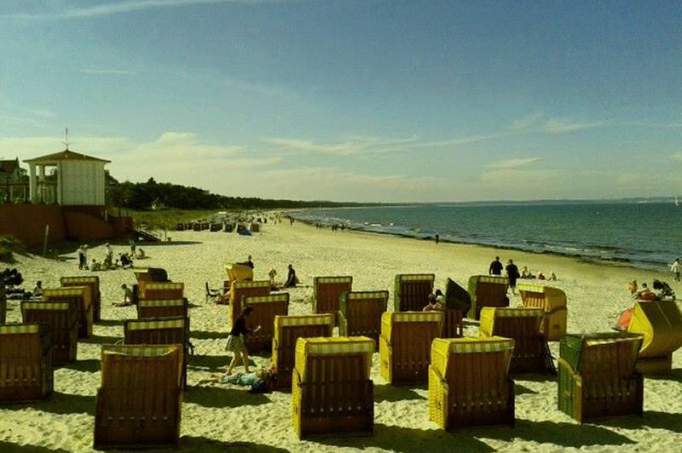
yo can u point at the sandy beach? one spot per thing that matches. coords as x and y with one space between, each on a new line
227 418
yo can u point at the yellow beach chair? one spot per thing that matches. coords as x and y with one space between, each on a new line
552 301
360 313
288 329
238 273
138 404
411 291
405 345
469 382
61 321
93 283
660 324
332 392
327 291
531 352
597 375
26 372
487 291
265 309
81 296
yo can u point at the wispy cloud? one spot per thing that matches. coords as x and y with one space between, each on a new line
352 146
104 71
466 140
122 7
539 122
514 163
562 126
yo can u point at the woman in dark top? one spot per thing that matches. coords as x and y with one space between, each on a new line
236 341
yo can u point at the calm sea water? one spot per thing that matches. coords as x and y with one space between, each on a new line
643 234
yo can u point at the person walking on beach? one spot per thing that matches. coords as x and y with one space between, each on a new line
292 280
236 341
495 267
675 269
83 257
133 246
437 238
512 275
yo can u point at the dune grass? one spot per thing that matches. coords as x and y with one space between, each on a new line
166 218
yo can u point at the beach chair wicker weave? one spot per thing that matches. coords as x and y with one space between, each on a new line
265 308
660 324
553 303
81 296
61 321
469 382
160 331
411 291
405 345
93 283
138 404
487 291
288 329
531 352
26 372
597 375
163 308
360 313
241 289
331 389
327 292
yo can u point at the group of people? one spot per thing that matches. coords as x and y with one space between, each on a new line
124 260
661 291
513 274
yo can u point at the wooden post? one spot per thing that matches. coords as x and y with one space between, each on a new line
47 233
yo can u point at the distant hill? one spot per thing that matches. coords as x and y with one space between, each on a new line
151 194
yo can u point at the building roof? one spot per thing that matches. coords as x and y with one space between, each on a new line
9 166
62 156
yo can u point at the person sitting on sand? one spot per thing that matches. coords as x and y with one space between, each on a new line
38 290
644 294
95 266
236 342
273 284
127 297
541 276
140 254
663 291
126 262
552 277
292 280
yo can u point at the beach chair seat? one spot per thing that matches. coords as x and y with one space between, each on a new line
265 309
552 301
243 288
327 291
138 403
332 392
453 323
487 291
469 382
93 283
160 331
405 345
531 352
26 372
597 375
80 295
660 324
288 329
411 291
163 308
61 321
360 313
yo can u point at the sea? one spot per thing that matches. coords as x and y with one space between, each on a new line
646 235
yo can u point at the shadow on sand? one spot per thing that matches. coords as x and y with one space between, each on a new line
393 393
88 365
206 335
10 447
202 444
222 397
66 403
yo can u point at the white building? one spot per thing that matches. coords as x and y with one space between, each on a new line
68 179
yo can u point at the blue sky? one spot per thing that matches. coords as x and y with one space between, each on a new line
354 100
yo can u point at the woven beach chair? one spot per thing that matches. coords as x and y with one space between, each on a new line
138 404
265 308
469 382
163 308
241 289
411 291
80 295
331 390
161 290
660 324
26 372
61 321
597 375
405 345
160 331
238 272
327 291
552 301
288 329
487 291
93 283
360 313
3 305
531 352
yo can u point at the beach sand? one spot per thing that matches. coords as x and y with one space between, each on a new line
226 418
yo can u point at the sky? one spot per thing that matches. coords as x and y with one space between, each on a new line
345 100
